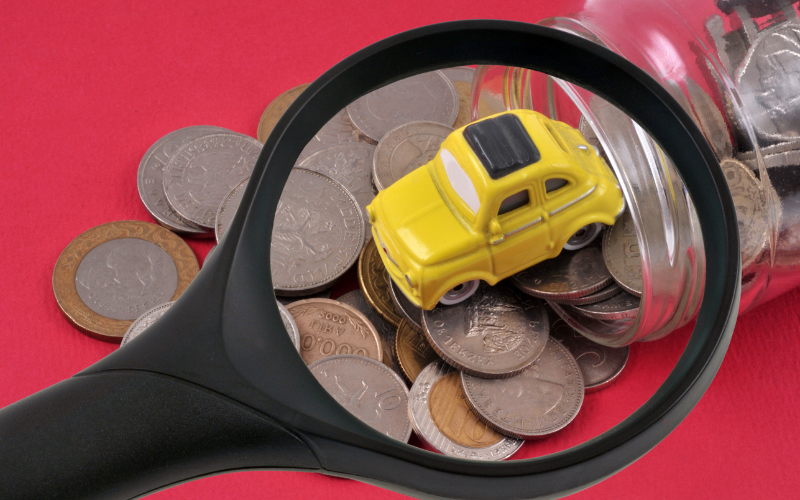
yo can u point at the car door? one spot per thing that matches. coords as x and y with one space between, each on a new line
559 191
520 232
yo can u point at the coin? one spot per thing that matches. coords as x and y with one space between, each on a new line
571 275
374 282
605 293
324 294
328 327
338 130
406 148
621 254
317 235
407 310
369 390
428 96
290 325
462 77
120 281
620 306
600 365
750 202
203 171
351 166
412 350
459 74
386 331
275 110
496 333
144 321
441 417
151 174
537 402
710 119
227 209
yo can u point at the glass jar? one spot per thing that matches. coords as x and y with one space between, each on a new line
733 65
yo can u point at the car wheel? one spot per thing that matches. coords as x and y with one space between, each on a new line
459 293
583 236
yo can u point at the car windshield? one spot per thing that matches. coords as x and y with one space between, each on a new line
460 181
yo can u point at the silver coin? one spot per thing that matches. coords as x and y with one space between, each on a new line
203 171
600 365
144 321
317 235
621 254
458 425
367 389
386 331
429 97
324 294
752 214
122 278
227 209
496 333
406 148
338 130
535 403
620 306
351 166
290 325
571 275
151 173
405 307
459 74
605 293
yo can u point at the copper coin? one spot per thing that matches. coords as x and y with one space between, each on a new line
275 110
129 268
622 256
374 282
328 327
386 331
412 350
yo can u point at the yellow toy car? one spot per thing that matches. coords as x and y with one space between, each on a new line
502 194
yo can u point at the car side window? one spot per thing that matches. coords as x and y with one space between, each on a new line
554 184
513 202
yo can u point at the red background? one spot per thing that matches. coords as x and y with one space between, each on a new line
86 87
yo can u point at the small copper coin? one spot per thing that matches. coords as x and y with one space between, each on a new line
600 365
275 110
412 350
621 254
122 269
374 282
405 307
620 306
386 331
441 417
328 327
539 401
571 275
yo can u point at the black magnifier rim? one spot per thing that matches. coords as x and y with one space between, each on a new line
572 59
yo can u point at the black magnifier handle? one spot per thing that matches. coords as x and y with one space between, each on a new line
216 385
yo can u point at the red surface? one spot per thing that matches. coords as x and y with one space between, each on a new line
87 87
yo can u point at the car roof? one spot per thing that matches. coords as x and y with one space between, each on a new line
502 145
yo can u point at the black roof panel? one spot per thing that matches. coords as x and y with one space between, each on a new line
502 145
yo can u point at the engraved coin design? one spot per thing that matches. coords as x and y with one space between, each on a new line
351 166
369 390
496 333
328 327
406 148
338 130
227 209
122 279
750 201
275 110
620 306
605 293
386 331
144 321
462 80
621 254
317 235
374 282
441 417
537 402
407 310
570 275
151 174
600 365
324 294
412 350
202 172
428 97
291 326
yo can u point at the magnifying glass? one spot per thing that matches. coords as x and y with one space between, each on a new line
216 384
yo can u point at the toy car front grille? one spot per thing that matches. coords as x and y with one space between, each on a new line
502 145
